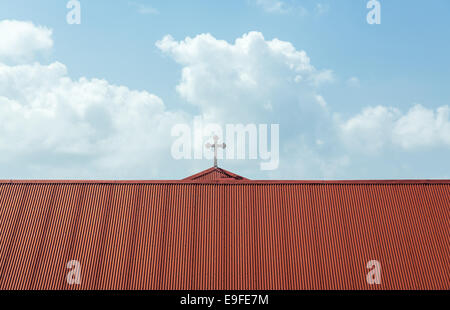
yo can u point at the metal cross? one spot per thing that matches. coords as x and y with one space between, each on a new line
215 146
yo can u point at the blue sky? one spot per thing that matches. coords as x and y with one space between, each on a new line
398 72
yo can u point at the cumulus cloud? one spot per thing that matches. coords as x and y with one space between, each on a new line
43 111
369 130
248 75
22 41
422 127
52 125
378 127
255 80
271 81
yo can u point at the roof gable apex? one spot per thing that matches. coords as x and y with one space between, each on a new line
214 174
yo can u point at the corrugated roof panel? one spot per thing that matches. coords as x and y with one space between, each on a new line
213 174
239 235
62 234
11 211
117 238
25 243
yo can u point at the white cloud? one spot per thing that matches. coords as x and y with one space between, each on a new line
22 41
52 125
422 127
267 81
378 127
221 78
369 131
43 111
254 80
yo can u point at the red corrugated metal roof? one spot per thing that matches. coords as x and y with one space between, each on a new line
232 234
214 174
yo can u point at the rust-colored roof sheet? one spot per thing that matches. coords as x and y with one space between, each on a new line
236 235
214 174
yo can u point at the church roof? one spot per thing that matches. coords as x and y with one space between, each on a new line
217 230
214 174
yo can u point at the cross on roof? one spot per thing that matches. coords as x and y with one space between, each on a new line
215 146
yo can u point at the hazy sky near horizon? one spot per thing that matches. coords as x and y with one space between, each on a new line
98 100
